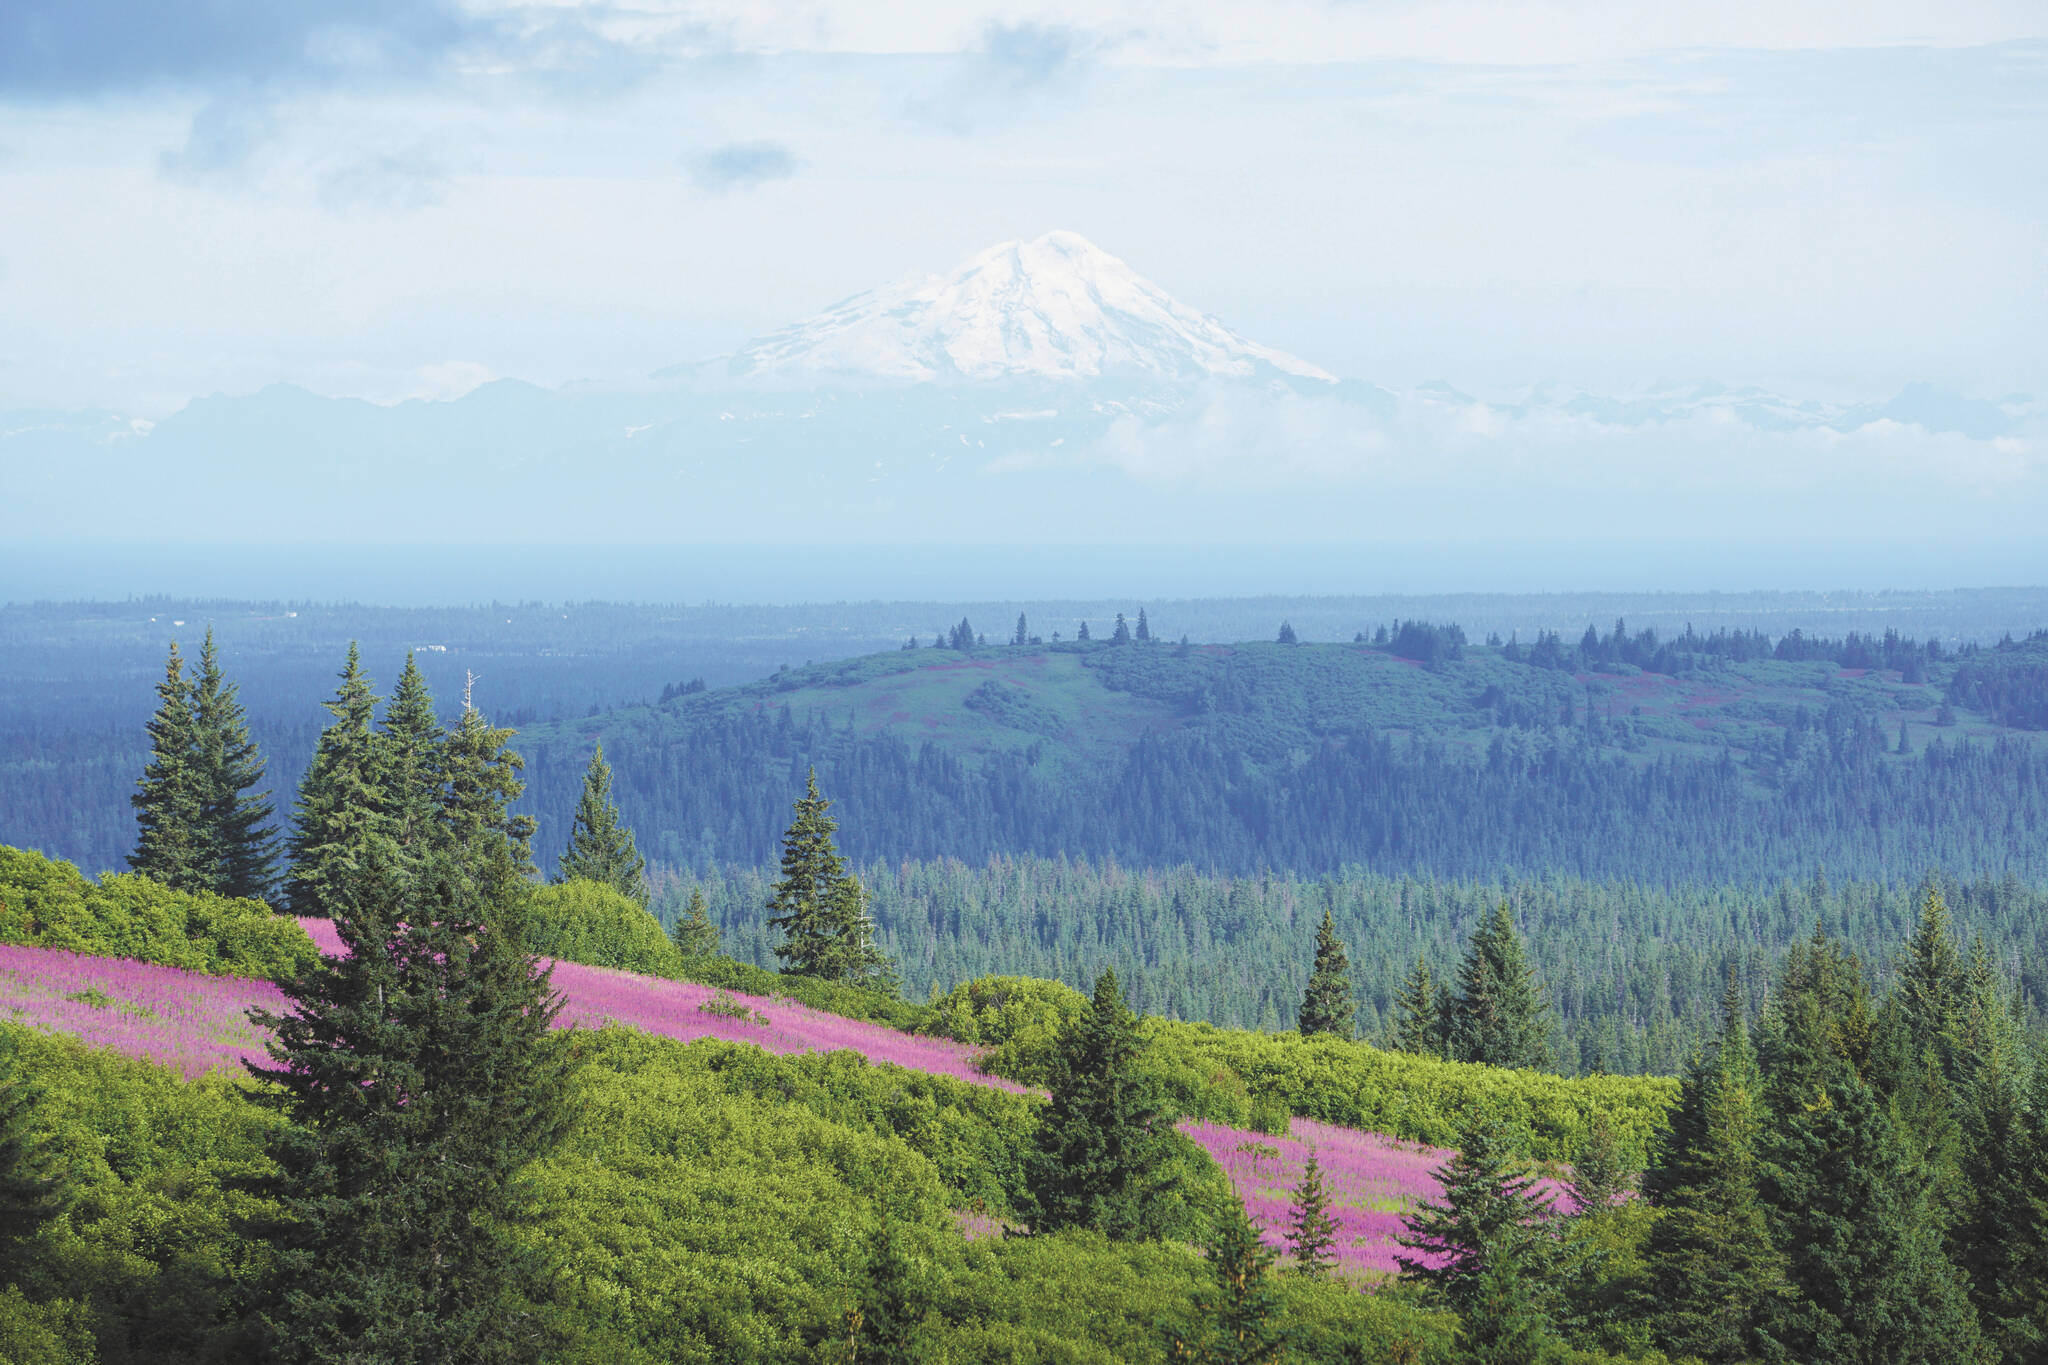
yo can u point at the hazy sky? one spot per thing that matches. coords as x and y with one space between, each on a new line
398 197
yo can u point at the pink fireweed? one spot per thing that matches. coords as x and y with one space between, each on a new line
199 1023
596 996
180 1019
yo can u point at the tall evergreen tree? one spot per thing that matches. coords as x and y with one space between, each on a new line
1850 1204
1287 635
169 847
1311 1227
600 848
1240 1307
417 1078
1022 635
237 853
1082 633
801 903
413 767
1326 1006
854 956
1714 1275
1487 1249
1499 1016
482 781
1600 1176
339 814
2002 1239
821 909
694 933
1121 633
1098 1155
1419 1016
1932 983
883 1328
1144 628
29 1188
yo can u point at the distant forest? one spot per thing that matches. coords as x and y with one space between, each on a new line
1280 763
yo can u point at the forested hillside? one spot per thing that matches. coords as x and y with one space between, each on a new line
1413 751
1636 972
1038 748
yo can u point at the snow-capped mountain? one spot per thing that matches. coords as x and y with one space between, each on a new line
1058 308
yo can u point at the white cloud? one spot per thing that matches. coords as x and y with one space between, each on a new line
1259 441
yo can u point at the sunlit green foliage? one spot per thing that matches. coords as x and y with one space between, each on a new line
597 924
47 904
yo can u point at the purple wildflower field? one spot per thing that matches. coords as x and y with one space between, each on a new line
198 1023
1374 1183
173 1017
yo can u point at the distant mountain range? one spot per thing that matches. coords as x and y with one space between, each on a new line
1030 393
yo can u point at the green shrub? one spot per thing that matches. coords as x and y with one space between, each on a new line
1258 1080
600 926
832 997
1422 1099
48 904
1017 1018
54 1333
713 1203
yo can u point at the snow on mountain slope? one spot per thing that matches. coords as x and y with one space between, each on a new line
1058 308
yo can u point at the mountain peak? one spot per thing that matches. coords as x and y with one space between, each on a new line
1057 307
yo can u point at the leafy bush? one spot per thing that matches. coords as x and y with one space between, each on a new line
48 904
1228 1074
600 926
713 1203
725 1007
54 1333
1018 1018
1256 1080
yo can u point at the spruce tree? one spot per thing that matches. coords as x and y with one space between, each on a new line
1082 633
1849 1202
169 848
1144 628
694 934
1023 635
1715 1277
2002 1239
820 909
339 812
1311 1227
1600 1177
884 1326
483 779
1487 1249
600 848
853 955
1499 1016
1326 1006
237 853
1121 633
1239 1308
413 767
801 902
1419 1013
1932 982
1098 1157
29 1188
417 1078
1287 636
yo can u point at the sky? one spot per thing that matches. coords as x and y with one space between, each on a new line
405 198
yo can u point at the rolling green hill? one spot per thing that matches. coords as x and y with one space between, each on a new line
1319 755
